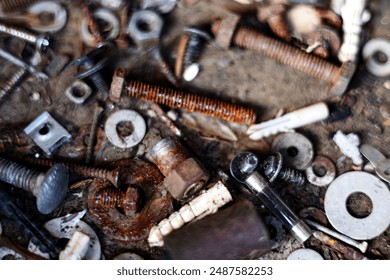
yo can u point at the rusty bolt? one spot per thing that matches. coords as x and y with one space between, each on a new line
337 77
128 201
191 102
184 176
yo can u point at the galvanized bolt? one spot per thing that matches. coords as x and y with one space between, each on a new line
40 41
49 188
273 168
337 77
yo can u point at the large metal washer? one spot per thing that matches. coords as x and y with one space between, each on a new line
336 209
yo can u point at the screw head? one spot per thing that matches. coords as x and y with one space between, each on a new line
53 189
243 165
272 166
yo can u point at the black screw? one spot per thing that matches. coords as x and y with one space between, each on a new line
197 41
273 169
49 188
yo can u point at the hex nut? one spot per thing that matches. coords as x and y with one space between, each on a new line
186 179
78 92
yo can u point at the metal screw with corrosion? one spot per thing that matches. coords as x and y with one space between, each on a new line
191 102
12 139
49 188
12 6
337 77
112 198
273 168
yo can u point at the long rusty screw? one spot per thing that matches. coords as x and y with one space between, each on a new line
15 5
49 188
191 102
337 77
111 198
86 171
11 84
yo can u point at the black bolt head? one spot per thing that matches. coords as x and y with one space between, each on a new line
243 165
272 166
53 189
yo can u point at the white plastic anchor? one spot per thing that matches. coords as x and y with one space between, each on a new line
297 118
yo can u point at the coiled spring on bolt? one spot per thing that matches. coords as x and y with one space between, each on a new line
191 102
15 5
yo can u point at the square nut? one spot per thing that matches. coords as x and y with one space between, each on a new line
188 177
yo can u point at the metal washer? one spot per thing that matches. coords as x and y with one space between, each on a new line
304 254
136 120
336 210
294 142
324 180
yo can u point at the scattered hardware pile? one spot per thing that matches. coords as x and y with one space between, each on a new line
189 129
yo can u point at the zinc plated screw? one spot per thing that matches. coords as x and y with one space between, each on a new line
49 188
337 77
273 168
112 198
191 102
40 41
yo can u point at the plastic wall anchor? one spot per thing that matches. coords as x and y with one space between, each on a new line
298 118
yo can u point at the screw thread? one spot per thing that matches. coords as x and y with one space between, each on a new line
288 55
24 35
291 176
11 84
10 140
15 5
191 102
110 198
99 84
195 46
81 170
17 175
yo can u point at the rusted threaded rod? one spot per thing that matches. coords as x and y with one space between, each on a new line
337 77
191 102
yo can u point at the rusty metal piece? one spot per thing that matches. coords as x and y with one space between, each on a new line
117 84
92 134
11 84
191 102
331 17
117 226
224 30
348 252
10 140
184 176
128 201
92 24
338 78
273 14
236 232
323 42
181 49
10 6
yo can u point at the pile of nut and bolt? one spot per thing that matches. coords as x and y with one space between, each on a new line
193 129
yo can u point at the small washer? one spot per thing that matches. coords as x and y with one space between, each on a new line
336 210
319 179
59 13
305 254
375 67
139 128
296 149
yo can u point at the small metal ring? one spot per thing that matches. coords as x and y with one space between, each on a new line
316 179
60 16
139 128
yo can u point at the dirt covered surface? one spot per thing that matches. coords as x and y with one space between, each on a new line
235 75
